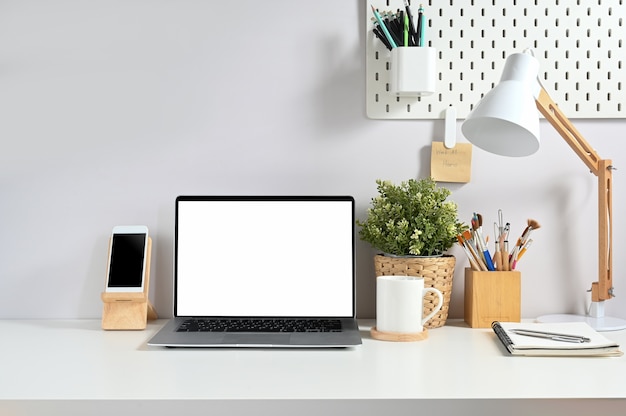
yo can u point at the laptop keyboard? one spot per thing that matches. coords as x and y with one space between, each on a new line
259 325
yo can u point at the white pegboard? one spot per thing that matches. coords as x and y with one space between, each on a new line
579 44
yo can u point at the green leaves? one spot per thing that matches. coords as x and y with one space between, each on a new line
411 218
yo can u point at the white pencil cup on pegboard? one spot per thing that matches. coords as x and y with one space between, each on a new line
413 71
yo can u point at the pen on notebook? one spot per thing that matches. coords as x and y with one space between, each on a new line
384 29
551 335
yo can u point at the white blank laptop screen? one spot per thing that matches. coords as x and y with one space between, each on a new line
274 258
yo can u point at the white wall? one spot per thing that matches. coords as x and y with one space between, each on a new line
111 108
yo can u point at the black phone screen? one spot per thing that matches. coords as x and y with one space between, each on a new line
127 252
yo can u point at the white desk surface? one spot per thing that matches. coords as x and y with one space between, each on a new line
67 367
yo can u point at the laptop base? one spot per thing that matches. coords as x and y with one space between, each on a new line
169 337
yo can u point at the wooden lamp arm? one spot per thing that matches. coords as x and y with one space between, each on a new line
602 169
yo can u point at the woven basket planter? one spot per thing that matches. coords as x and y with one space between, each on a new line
437 272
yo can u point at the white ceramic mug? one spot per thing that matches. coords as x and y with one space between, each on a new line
399 304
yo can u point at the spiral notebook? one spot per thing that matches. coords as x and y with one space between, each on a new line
594 344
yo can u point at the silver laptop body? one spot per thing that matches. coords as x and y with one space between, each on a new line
258 260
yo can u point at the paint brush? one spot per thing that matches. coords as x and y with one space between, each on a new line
524 249
467 237
469 255
532 225
477 226
497 255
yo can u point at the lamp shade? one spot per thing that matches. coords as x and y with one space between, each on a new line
506 120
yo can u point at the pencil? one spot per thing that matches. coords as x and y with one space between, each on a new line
383 27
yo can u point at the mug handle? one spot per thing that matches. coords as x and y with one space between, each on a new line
439 304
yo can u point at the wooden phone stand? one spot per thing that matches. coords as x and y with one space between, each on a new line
129 310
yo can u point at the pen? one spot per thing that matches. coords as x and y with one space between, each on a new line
412 41
394 25
406 29
380 35
395 28
551 335
421 27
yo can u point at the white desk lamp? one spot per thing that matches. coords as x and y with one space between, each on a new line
505 122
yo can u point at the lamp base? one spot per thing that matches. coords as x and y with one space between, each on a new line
601 324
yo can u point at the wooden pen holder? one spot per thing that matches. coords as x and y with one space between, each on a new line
129 310
492 296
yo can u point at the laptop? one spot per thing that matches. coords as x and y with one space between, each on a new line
263 271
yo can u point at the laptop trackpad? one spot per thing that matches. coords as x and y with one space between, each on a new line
257 339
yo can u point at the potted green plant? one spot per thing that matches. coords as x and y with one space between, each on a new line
411 218
413 224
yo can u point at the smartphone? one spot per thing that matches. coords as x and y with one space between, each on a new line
128 251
